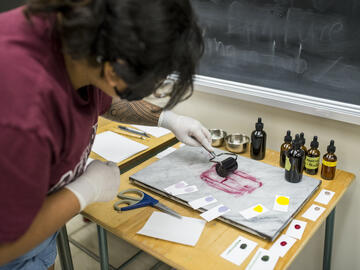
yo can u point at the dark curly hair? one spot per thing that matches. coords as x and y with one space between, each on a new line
154 38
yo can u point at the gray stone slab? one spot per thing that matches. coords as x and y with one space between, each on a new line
255 182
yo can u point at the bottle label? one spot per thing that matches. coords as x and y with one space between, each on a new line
312 163
287 164
329 163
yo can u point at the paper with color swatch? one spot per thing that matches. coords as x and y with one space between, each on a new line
263 260
254 211
239 250
185 231
175 187
154 131
215 212
198 203
314 212
296 229
116 148
324 196
281 203
282 245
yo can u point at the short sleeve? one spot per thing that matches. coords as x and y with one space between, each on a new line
25 161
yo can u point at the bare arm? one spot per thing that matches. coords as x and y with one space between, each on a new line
136 112
57 209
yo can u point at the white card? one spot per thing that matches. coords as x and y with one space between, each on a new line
198 203
282 245
184 190
254 211
281 203
215 212
239 250
263 260
324 196
152 130
165 152
314 212
116 148
177 186
296 229
185 231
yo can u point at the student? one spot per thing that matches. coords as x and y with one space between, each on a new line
64 63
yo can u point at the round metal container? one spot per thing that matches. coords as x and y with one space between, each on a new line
217 137
237 143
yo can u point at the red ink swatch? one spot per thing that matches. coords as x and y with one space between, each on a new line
297 226
237 182
283 243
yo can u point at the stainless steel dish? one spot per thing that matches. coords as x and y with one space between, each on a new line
217 137
237 143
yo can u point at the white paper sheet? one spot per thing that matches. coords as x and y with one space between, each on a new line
165 152
116 148
324 196
154 131
185 231
263 260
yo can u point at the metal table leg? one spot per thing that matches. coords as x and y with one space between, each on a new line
103 248
64 249
329 232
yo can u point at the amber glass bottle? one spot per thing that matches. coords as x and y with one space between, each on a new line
312 157
286 146
294 164
328 167
258 141
302 142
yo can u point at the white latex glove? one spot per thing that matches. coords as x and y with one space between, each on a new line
186 129
99 183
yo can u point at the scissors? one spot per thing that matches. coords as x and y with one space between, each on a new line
141 200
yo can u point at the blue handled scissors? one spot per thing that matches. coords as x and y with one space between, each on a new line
141 200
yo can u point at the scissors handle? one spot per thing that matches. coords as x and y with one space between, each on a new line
146 201
133 203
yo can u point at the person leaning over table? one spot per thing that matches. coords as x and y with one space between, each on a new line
64 63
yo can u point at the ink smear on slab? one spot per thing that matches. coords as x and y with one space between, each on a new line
237 182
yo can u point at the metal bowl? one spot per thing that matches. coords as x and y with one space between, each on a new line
237 143
217 137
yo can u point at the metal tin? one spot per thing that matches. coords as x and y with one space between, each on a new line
217 137
237 143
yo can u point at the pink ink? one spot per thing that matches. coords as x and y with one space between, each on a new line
237 182
283 243
297 226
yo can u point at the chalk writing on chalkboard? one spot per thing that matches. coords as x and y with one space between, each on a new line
310 47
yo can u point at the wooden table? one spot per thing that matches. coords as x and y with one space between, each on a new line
217 236
155 145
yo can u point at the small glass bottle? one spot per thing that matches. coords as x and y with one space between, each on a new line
258 141
312 157
302 142
329 161
294 164
286 146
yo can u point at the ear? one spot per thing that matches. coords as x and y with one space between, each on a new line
110 75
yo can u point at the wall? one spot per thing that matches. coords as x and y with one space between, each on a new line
238 116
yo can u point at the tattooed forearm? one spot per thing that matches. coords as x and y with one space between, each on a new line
136 112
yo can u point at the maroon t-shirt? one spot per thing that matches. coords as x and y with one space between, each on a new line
46 127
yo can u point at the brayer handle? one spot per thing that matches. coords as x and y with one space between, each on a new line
212 153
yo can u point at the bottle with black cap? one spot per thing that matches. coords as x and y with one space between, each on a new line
294 164
312 157
328 167
302 142
286 146
258 141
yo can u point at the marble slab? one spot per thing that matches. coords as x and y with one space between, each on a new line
254 183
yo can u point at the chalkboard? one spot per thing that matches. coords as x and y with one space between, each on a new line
309 47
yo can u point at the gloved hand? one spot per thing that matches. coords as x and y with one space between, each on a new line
186 129
99 183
